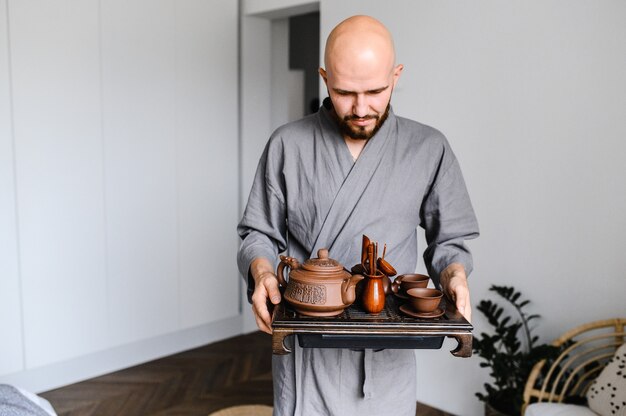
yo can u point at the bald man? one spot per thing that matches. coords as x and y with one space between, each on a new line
323 181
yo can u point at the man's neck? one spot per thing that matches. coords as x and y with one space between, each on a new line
355 146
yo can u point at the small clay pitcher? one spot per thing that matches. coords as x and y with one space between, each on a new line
359 269
373 296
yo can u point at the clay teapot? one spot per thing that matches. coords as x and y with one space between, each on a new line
319 287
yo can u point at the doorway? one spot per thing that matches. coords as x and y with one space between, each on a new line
295 52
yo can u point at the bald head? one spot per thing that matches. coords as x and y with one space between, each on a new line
360 75
359 42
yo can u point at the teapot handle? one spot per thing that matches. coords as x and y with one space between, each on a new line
395 286
285 261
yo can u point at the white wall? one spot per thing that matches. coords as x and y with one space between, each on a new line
57 125
118 163
11 353
255 115
532 96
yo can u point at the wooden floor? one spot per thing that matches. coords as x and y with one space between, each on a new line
193 383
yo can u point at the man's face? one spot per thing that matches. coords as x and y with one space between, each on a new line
360 97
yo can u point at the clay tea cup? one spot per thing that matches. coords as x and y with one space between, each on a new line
424 299
405 282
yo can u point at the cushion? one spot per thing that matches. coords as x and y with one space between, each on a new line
607 394
18 402
245 410
557 409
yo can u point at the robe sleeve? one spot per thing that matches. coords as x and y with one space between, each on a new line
448 218
263 228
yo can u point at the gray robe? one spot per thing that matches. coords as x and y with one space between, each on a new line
308 193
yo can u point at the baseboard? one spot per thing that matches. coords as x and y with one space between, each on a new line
60 374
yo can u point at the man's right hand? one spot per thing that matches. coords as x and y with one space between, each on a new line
265 291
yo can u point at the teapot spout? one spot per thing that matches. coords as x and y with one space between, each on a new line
348 289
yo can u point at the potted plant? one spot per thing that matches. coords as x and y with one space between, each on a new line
509 359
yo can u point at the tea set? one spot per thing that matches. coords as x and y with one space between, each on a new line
322 287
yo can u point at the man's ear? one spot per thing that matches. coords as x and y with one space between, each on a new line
397 71
324 76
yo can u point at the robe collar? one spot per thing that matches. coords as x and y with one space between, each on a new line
357 177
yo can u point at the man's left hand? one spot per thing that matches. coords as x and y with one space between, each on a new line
454 284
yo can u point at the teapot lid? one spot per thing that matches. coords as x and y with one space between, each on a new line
322 263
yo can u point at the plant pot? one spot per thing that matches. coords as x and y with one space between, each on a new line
491 411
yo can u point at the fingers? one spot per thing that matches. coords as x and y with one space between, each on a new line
271 286
267 288
454 284
468 314
261 313
263 321
463 301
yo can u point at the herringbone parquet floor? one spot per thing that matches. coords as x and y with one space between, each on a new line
193 383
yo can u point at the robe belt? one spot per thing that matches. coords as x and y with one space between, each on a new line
368 390
368 378
297 351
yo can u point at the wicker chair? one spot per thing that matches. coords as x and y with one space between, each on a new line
586 350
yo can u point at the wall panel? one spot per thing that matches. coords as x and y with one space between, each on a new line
139 109
206 141
118 183
11 352
56 96
256 112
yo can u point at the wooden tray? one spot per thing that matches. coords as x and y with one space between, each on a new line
355 328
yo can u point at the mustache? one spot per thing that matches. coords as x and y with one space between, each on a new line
367 117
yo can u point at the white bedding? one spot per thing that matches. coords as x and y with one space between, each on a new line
15 401
557 409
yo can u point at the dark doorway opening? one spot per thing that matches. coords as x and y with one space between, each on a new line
304 54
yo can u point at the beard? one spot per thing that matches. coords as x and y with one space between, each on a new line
359 132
